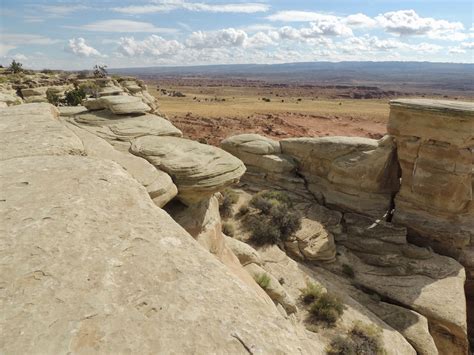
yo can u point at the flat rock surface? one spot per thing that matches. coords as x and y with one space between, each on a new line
93 266
435 105
34 129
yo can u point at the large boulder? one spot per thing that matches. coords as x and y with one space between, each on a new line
348 173
199 170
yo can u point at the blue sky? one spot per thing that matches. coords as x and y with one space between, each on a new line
79 34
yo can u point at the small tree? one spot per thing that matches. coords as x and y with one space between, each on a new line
15 67
100 71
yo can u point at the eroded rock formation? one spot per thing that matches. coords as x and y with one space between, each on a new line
94 265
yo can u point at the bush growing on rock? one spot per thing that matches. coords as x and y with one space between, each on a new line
322 306
362 339
263 280
229 198
327 308
90 88
274 220
228 229
311 293
75 96
52 97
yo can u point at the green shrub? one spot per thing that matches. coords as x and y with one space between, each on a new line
75 96
243 210
348 271
15 67
90 88
52 97
311 293
228 229
367 338
229 199
263 280
341 346
362 339
274 221
327 308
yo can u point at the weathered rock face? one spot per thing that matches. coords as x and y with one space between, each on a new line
197 169
89 251
435 141
296 276
412 276
353 174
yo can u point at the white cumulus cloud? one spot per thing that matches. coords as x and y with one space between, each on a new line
79 47
409 23
228 37
152 46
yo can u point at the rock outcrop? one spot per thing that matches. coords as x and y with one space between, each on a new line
89 249
347 173
435 142
197 169
89 252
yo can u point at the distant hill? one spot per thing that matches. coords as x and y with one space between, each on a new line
396 75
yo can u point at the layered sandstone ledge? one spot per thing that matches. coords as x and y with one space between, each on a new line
94 265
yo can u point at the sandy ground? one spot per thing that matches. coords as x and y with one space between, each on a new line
211 114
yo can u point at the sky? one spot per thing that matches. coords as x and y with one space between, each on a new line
79 34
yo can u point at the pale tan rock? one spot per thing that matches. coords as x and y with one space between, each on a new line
296 276
251 143
274 289
158 184
110 90
9 98
68 111
244 252
435 143
349 173
197 169
115 128
93 104
203 221
89 253
33 130
38 91
313 242
36 99
125 105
